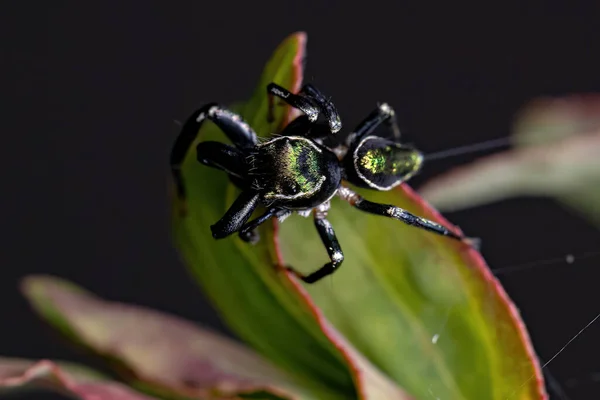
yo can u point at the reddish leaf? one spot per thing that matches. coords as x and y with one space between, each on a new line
164 352
558 142
17 374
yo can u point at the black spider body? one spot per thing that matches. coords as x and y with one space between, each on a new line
294 171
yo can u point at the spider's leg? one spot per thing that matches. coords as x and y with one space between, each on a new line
237 215
298 127
331 114
248 233
390 211
334 250
383 113
300 102
225 158
301 126
230 123
221 156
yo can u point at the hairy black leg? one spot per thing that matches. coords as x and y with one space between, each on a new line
237 215
326 106
334 250
230 123
398 213
382 114
300 102
248 232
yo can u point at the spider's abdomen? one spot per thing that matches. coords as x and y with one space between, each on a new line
295 172
382 164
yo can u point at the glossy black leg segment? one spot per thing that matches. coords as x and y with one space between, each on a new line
334 250
237 215
300 102
302 126
298 127
221 156
231 124
382 114
248 232
326 106
400 214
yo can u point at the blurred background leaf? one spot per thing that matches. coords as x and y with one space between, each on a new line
158 353
20 375
555 154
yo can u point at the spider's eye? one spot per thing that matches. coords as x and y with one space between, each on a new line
383 164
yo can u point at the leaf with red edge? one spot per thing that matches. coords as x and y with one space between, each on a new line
69 379
255 297
162 353
556 154
423 308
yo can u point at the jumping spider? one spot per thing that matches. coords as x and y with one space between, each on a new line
295 171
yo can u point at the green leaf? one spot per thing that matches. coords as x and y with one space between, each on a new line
557 142
160 353
67 378
256 298
425 309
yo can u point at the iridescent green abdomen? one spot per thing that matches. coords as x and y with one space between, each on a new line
382 164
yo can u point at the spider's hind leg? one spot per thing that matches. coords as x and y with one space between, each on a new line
390 211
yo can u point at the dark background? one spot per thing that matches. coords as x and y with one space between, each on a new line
91 91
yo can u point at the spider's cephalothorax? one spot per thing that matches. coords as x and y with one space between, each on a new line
296 171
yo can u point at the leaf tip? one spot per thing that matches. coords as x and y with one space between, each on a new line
38 285
298 36
32 286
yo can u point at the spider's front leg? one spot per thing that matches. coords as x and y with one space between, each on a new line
222 157
237 215
310 101
400 214
333 247
326 106
238 131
